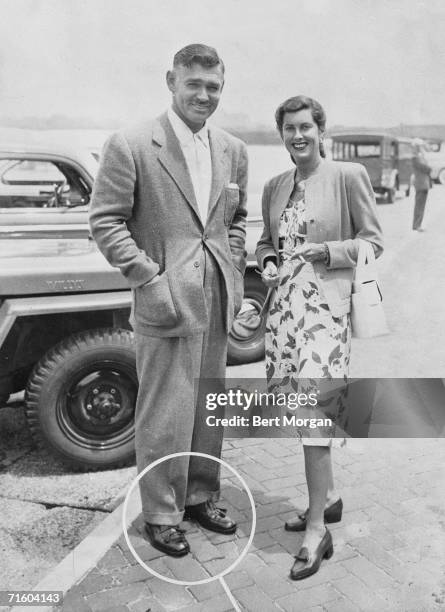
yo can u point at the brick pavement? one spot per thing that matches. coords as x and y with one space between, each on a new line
389 547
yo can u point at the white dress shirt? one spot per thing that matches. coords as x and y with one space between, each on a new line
196 149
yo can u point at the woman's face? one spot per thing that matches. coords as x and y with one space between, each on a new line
301 136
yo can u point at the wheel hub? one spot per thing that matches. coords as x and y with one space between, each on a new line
103 404
100 403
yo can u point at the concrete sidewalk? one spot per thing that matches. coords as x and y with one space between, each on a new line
389 547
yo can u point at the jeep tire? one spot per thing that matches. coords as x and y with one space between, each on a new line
246 350
80 399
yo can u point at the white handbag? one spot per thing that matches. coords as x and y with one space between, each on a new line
367 314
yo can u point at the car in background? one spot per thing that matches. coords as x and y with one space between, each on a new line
46 178
435 156
387 158
45 188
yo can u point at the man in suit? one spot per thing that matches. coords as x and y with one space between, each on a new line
422 184
168 209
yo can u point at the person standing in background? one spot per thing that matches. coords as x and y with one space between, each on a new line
422 184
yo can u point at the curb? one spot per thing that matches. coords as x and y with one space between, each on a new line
87 554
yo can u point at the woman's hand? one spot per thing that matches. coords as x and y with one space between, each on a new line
270 275
311 252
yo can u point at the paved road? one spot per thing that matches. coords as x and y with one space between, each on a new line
40 499
413 283
388 549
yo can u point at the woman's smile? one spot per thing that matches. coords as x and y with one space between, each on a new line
299 146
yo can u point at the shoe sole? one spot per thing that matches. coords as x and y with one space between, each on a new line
214 529
222 531
302 527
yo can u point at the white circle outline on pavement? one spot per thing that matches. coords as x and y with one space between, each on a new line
204 580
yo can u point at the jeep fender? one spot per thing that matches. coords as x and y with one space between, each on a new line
14 308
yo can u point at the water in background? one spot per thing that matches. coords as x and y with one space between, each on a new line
265 161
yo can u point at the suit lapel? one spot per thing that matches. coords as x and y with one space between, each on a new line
220 165
172 159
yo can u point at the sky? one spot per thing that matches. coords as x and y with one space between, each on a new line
369 62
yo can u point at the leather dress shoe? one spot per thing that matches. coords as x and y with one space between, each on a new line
210 517
332 514
169 539
305 565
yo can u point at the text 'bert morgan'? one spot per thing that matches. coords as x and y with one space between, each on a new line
247 401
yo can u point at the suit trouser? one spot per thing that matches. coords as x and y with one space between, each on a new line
170 410
419 207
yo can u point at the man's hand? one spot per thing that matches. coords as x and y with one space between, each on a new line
311 252
270 275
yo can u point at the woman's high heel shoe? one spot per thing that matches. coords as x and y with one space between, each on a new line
304 566
332 514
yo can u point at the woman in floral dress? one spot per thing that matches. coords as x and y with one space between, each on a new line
313 216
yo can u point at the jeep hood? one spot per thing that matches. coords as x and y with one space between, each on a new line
43 266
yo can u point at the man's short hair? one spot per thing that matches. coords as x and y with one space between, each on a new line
198 54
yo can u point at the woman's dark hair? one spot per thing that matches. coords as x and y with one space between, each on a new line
198 54
297 103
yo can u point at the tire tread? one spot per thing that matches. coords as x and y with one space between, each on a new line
52 360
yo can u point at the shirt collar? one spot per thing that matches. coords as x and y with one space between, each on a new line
183 133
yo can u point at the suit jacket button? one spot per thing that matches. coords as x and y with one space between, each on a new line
206 236
196 264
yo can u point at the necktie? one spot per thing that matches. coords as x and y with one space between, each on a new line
202 191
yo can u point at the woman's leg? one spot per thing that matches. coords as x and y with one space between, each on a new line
317 542
331 496
318 469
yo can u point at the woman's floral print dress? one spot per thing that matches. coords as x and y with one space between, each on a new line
303 340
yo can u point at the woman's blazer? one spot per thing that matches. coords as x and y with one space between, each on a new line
340 209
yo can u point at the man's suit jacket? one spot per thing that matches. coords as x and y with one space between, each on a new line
340 209
145 220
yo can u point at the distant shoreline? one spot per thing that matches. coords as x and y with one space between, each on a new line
251 136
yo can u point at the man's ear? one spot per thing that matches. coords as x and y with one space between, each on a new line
170 78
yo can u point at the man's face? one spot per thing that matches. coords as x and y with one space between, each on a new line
196 92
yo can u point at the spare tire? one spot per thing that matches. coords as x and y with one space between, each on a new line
247 349
80 399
